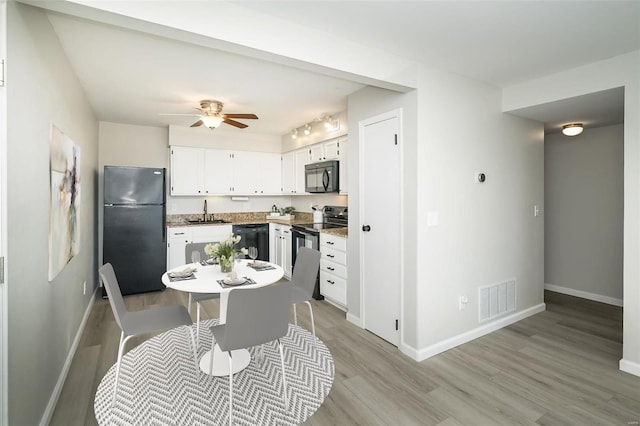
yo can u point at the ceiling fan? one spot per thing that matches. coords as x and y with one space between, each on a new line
211 115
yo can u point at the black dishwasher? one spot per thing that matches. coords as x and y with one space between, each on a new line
254 235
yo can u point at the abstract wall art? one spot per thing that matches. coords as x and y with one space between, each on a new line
64 213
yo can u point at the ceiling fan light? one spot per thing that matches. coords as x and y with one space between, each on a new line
572 129
211 121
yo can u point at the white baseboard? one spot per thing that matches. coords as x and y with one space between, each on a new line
630 367
468 336
354 319
53 400
584 295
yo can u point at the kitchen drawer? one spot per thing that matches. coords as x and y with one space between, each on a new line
334 255
333 287
333 241
179 233
333 268
210 232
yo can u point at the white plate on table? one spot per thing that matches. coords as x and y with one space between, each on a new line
237 281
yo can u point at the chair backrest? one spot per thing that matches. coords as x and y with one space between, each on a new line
256 315
306 269
110 282
197 247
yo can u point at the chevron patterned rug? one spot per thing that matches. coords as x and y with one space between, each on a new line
158 384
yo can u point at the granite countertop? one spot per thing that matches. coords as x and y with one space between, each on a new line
339 232
176 220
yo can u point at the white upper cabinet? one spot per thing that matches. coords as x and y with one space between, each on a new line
325 151
187 171
218 177
289 173
200 171
256 173
293 163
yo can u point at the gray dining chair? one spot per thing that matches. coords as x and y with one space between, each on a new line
198 297
133 323
255 316
304 277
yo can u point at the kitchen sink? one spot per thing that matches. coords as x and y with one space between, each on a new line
208 221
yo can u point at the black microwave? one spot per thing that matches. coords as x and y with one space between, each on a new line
322 177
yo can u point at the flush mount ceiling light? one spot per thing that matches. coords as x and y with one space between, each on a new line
211 121
572 129
294 133
307 129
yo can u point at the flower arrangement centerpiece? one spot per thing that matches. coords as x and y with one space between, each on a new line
226 252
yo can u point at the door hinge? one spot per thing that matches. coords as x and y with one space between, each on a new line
395 137
2 270
396 324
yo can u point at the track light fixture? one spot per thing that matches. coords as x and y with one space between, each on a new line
307 129
294 134
328 122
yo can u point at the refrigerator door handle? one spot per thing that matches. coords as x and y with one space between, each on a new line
164 223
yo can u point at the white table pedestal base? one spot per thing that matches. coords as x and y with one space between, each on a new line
241 359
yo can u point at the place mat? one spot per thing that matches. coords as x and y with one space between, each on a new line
182 278
225 285
263 267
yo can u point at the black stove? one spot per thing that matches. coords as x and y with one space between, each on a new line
333 217
317 226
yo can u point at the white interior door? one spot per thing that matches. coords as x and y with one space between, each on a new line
380 219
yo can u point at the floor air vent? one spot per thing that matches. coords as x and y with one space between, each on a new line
497 299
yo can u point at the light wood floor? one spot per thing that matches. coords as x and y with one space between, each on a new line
559 367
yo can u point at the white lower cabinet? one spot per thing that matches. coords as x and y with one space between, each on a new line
280 247
179 237
333 268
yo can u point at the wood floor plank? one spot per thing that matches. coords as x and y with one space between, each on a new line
559 367
75 400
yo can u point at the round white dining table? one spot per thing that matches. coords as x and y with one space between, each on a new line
206 281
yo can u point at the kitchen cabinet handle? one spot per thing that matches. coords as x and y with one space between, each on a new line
330 268
179 233
330 243
331 282
331 256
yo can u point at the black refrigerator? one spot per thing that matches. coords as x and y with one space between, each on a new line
134 232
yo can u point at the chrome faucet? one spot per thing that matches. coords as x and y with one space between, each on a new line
204 216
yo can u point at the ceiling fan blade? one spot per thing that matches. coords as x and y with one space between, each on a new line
247 116
235 123
197 123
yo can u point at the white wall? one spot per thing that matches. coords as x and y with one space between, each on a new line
44 317
584 204
620 71
487 232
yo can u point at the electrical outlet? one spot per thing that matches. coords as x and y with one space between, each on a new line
462 302
84 288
